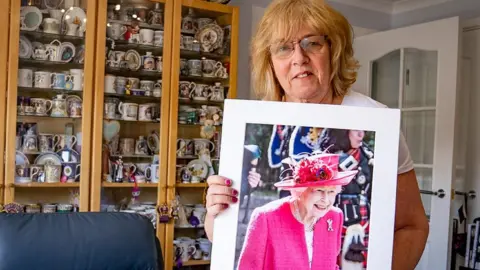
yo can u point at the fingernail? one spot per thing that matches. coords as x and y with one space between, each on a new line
234 199
225 206
228 182
234 192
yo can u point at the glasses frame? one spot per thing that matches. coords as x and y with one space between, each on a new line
301 43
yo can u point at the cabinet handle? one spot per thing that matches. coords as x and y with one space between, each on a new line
439 193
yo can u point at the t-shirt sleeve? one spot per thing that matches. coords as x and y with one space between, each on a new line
405 162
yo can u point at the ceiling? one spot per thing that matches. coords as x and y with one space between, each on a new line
391 6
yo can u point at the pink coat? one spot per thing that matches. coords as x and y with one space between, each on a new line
276 240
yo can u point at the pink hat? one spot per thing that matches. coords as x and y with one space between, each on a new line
317 170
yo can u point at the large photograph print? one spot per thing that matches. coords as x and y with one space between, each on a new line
315 192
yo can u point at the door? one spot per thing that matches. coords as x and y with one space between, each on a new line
415 69
48 111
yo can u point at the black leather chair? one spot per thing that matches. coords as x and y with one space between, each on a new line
78 241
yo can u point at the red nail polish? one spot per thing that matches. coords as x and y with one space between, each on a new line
234 199
225 206
228 182
234 192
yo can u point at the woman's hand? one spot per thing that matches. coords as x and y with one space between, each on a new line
219 196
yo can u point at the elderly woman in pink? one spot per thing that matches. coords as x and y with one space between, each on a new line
301 231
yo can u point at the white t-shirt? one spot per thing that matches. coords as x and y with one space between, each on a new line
352 98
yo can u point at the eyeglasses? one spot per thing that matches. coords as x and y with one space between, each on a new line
311 44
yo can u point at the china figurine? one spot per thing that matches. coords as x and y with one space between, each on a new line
174 209
164 212
208 129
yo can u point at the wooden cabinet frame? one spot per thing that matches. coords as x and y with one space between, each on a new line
4 32
225 14
98 107
11 114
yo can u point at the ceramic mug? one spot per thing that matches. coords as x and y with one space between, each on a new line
201 92
42 105
146 112
146 36
109 84
185 88
25 77
61 141
127 146
52 173
201 144
71 171
129 111
209 67
51 26
194 67
46 142
77 79
42 79
152 173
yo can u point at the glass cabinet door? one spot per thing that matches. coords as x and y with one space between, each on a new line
4 13
131 107
203 75
48 112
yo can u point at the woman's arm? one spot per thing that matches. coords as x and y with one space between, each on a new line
255 243
411 224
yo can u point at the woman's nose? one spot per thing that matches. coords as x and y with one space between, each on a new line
299 56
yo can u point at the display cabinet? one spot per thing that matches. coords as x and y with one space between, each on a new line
204 73
4 13
48 112
131 107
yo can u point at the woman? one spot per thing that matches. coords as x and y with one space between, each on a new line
302 52
307 214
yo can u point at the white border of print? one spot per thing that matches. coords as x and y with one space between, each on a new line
383 121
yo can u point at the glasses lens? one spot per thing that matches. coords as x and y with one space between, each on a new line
282 49
313 44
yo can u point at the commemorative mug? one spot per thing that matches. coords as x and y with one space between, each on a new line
185 87
146 112
42 79
129 111
109 84
201 92
76 76
52 173
152 173
46 142
25 77
42 106
127 146
194 67
209 67
71 171
61 141
201 144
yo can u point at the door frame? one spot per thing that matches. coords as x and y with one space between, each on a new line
4 32
441 33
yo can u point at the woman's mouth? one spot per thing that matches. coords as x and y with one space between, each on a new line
320 207
303 75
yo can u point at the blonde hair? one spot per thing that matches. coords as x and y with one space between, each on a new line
283 19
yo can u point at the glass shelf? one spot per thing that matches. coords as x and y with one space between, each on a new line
134 73
44 63
135 98
198 55
42 36
34 90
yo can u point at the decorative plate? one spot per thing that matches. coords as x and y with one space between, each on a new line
67 51
133 59
30 18
69 155
25 48
74 15
21 159
198 168
50 158
210 36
